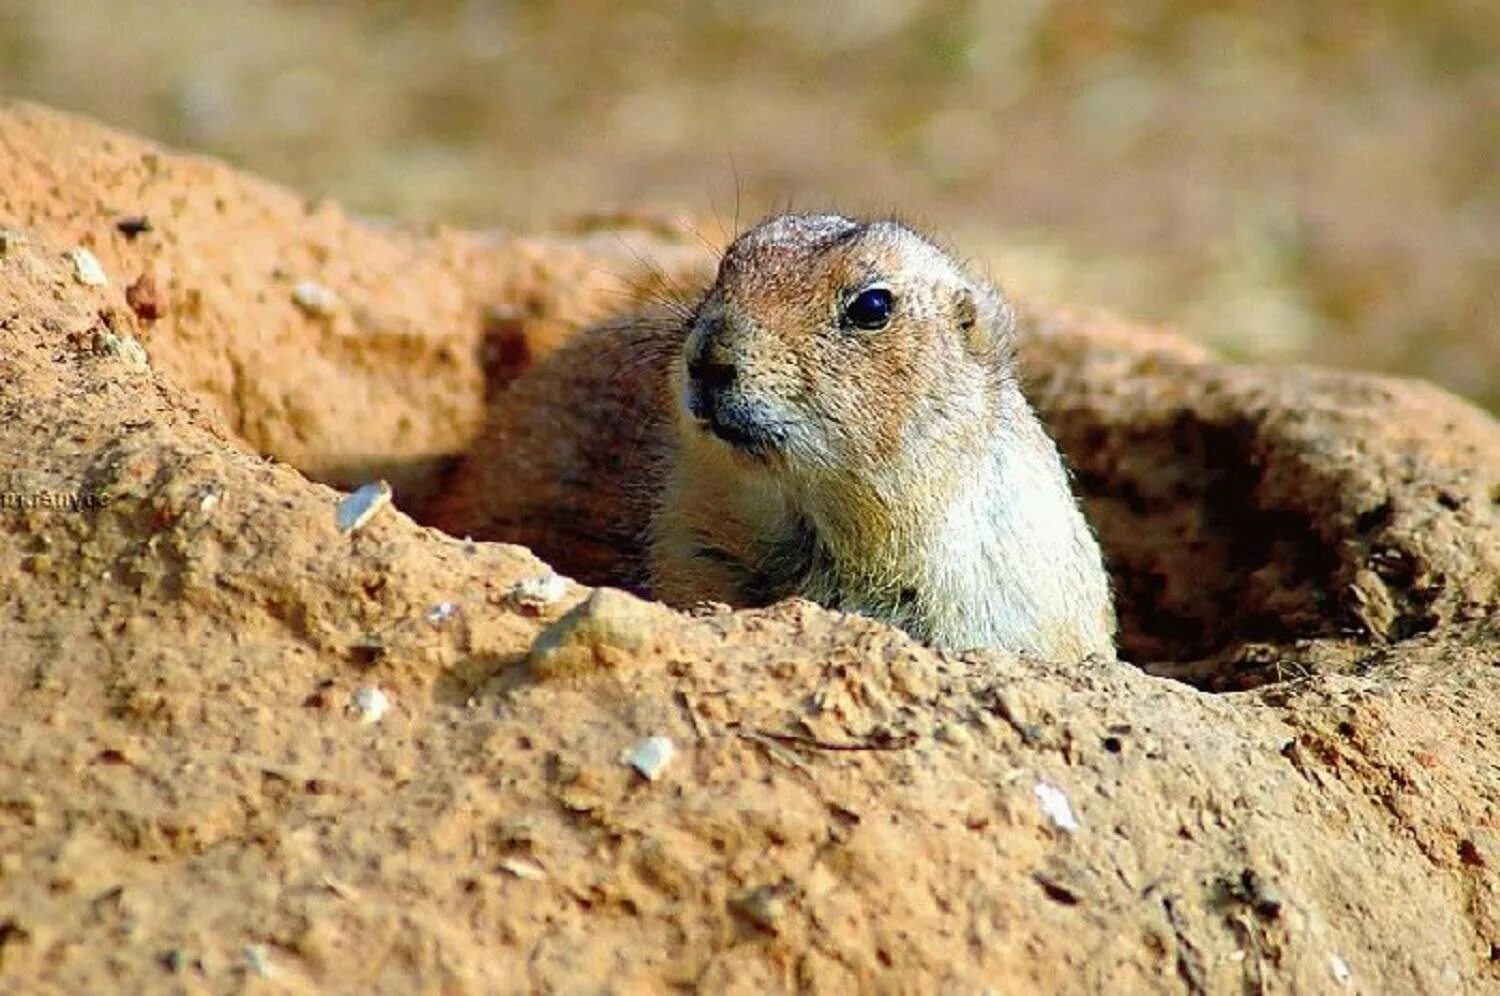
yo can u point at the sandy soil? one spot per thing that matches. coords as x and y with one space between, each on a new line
192 800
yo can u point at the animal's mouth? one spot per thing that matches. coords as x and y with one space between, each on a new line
745 436
741 425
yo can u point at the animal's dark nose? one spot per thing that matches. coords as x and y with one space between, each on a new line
707 379
710 373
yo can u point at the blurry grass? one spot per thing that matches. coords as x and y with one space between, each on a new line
1285 180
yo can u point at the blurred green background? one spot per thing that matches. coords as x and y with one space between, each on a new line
1284 180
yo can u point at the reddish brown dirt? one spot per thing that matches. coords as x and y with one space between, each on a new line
187 804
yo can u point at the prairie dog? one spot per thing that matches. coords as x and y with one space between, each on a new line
850 428
838 418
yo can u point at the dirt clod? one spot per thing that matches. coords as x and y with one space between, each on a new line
607 630
144 298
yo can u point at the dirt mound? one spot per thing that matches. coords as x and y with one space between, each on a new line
344 349
201 789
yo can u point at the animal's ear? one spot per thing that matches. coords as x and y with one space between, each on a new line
986 319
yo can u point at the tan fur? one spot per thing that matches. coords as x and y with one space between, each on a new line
895 472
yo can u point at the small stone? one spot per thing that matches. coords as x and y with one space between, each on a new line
87 269
370 704
354 510
10 239
314 299
1340 969
521 868
1055 804
441 613
763 908
259 962
602 633
121 346
651 756
536 593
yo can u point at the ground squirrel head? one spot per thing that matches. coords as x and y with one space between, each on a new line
851 429
830 343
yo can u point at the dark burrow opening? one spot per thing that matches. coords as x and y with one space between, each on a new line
1252 541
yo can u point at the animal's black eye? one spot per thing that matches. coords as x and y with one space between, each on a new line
870 308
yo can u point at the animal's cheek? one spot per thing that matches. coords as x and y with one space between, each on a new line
856 379
842 410
874 405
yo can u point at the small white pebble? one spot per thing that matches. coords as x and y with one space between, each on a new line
538 592
651 756
255 956
358 508
370 703
209 502
1340 969
1055 804
441 613
314 299
87 269
123 347
521 868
